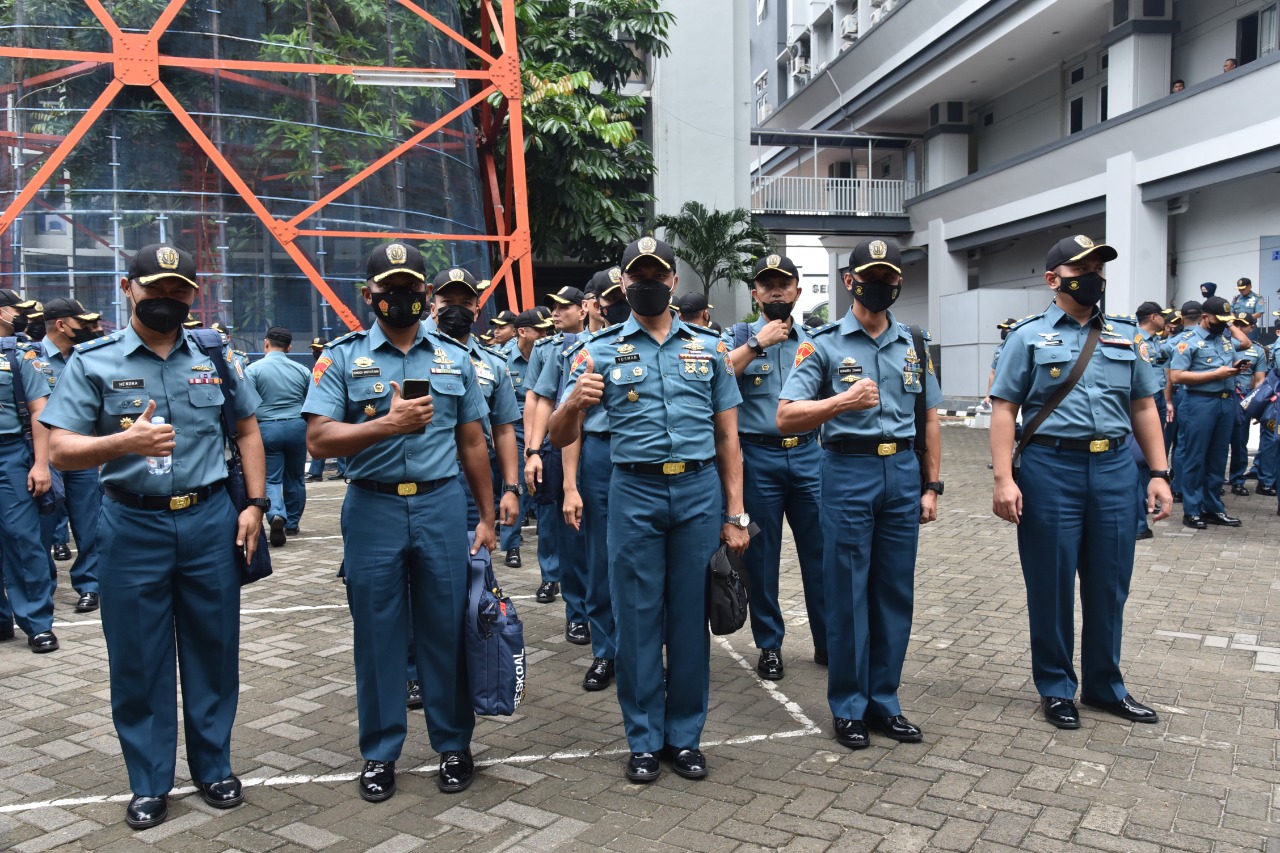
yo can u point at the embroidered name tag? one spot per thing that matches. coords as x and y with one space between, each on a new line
850 370
360 372
126 384
626 359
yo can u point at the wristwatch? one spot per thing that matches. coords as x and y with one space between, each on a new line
935 486
531 451
516 490
740 520
261 503
1163 473
754 344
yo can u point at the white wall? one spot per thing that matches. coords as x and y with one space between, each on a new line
1207 35
1026 118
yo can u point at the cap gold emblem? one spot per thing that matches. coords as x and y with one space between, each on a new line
647 245
397 254
456 275
1083 242
879 250
772 261
615 275
167 257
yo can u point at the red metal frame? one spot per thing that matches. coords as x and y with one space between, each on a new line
137 61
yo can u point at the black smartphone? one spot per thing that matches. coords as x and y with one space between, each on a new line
412 389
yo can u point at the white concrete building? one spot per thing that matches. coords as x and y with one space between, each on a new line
980 131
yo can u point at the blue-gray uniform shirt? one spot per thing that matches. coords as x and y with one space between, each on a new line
1202 352
353 385
542 352
842 353
1244 382
557 369
762 379
995 356
490 364
107 384
1039 354
659 396
1159 357
282 384
51 362
22 368
1250 305
518 368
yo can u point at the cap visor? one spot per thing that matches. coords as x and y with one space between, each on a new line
380 276
610 289
1109 253
147 279
559 300
877 264
1226 318
496 322
89 318
647 255
441 288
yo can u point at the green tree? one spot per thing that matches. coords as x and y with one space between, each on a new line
716 245
588 170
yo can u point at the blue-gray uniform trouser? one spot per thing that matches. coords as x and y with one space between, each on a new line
659 551
1078 517
407 559
171 576
1210 419
595 472
870 535
285 444
23 555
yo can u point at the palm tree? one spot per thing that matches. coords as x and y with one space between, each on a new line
716 245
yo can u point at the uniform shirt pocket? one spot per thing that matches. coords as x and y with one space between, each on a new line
631 392
364 394
1117 370
121 411
756 376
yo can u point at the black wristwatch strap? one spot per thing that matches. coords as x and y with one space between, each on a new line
261 503
934 486
532 451
515 490
1162 473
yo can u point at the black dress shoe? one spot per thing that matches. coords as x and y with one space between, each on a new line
457 771
412 695
146 812
770 665
312 478
599 675
1060 712
643 767
689 763
1219 518
224 794
1177 497
61 553
6 632
1195 522
1269 491
378 781
291 531
547 592
513 558
336 477
1251 474
897 727
577 633
852 733
277 537
1146 534
88 603
1240 490
1128 707
820 657
43 642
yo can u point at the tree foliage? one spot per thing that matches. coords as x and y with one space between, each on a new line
716 245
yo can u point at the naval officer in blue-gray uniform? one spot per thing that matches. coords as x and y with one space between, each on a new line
1247 302
1207 362
673 422
1189 317
1151 323
282 384
530 327
1253 369
859 379
166 540
1073 497
68 323
779 472
404 518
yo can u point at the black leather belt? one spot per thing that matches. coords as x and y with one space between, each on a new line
186 500
869 446
404 490
669 469
603 436
1222 395
1093 445
782 442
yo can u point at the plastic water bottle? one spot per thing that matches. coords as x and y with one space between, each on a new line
159 464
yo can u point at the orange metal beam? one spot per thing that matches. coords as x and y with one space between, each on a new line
448 31
51 76
401 235
304 67
104 18
55 55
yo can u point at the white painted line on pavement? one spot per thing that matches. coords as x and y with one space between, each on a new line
791 708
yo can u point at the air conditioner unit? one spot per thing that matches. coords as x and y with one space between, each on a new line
800 66
849 27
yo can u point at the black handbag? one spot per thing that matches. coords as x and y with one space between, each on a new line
727 589
260 566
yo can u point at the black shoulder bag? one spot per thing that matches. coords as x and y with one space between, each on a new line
1077 370
727 588
260 566
921 444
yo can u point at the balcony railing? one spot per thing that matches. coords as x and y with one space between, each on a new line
832 196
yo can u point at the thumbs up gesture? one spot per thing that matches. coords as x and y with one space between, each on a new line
409 414
589 389
148 439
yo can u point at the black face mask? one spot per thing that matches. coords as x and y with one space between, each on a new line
83 336
161 314
777 310
616 313
1217 328
455 321
400 307
19 323
648 297
876 295
1085 289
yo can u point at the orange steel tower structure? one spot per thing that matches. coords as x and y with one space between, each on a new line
135 60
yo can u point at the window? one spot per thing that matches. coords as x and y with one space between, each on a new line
1075 122
1075 75
762 10
1256 35
1104 61
763 108
1102 103
988 119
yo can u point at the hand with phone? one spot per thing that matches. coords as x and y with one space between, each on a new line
411 407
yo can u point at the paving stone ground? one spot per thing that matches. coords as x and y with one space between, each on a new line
1202 644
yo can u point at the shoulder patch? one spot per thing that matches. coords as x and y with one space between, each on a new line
321 366
806 349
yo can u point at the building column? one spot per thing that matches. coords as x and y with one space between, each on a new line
946 144
1139 231
948 274
1139 54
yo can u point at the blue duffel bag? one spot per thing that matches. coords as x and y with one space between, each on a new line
496 669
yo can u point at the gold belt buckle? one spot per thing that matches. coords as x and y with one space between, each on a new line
1225 395
404 490
177 502
670 468
1100 445
889 448
790 442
